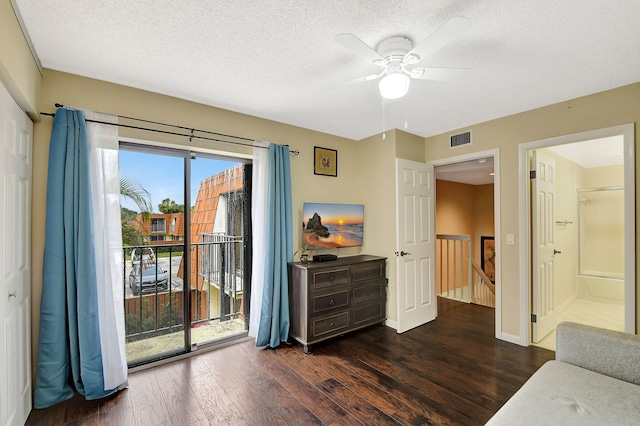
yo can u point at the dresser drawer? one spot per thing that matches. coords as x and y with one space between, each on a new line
367 292
330 301
329 325
326 278
368 271
368 313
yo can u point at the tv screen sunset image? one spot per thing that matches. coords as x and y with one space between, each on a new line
332 225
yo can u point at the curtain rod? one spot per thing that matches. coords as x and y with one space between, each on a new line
166 132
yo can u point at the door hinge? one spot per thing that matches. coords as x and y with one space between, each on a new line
532 174
534 318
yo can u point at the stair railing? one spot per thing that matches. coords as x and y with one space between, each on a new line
484 291
453 270
458 276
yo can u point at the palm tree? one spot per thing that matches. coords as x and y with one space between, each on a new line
131 234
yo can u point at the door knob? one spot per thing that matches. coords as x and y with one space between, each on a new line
403 253
556 251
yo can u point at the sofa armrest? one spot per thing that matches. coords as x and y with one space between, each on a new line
608 352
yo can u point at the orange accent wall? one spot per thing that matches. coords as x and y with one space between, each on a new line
454 208
463 209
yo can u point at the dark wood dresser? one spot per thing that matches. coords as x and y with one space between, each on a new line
328 299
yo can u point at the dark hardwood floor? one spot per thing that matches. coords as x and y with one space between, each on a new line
451 371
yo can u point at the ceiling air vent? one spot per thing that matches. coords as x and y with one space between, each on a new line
460 140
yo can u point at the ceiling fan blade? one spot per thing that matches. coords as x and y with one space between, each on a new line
359 47
351 82
445 34
440 74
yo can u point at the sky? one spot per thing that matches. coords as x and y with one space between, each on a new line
162 175
335 213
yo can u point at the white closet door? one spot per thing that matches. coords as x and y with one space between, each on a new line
16 131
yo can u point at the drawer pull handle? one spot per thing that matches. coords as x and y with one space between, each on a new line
332 302
331 278
331 325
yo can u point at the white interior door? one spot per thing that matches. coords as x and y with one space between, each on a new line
543 190
15 262
415 244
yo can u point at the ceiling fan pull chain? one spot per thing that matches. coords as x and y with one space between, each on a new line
406 121
384 133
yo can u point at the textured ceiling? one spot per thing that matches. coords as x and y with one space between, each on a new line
277 59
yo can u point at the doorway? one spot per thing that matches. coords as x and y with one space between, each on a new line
469 183
590 275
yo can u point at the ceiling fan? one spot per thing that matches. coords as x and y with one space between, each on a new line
397 57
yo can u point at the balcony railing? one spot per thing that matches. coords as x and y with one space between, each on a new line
153 308
158 228
217 263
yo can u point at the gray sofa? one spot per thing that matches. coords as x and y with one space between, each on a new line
594 380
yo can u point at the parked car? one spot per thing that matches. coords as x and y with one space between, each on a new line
152 277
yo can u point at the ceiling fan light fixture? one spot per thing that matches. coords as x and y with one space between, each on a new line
394 85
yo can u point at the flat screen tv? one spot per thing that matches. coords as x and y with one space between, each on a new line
327 226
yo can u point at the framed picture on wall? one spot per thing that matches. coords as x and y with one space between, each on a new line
325 161
488 257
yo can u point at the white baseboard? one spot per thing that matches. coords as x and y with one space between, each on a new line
513 339
560 309
392 324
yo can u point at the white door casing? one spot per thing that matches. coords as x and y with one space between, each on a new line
543 190
16 131
415 244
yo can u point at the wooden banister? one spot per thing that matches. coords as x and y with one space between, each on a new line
485 279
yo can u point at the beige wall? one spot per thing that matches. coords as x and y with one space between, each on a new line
601 110
602 222
18 70
376 181
408 146
603 176
375 162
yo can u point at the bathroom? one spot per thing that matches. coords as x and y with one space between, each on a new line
589 234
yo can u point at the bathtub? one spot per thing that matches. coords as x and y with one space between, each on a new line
601 289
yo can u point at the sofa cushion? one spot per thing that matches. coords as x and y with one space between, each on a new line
609 352
563 394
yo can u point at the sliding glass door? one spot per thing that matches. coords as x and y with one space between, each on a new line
185 234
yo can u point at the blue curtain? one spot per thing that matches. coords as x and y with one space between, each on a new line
69 354
274 315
